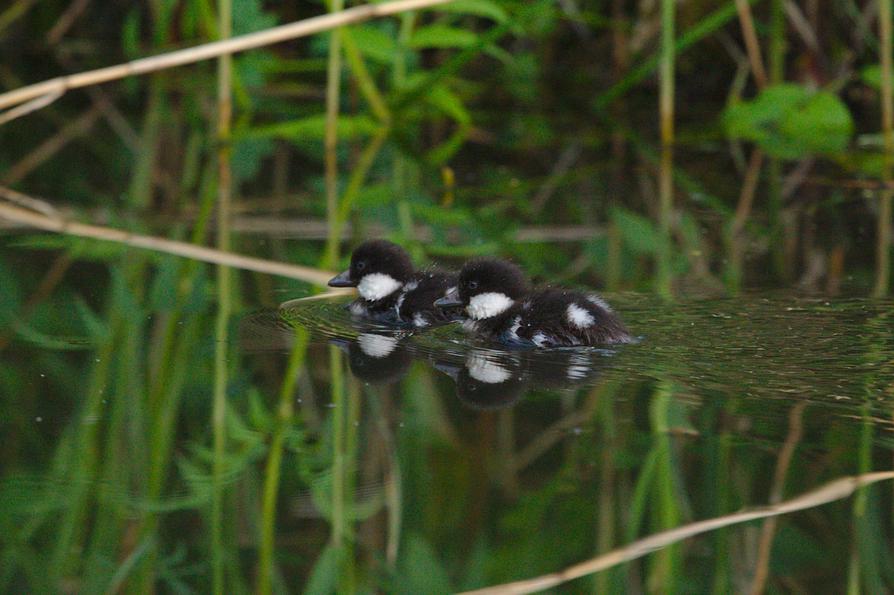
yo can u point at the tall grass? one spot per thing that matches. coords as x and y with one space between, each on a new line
224 292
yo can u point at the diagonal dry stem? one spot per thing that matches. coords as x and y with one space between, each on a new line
58 224
60 85
835 490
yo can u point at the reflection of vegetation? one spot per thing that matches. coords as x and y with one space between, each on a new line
480 127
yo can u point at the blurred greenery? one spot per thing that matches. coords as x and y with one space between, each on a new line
526 129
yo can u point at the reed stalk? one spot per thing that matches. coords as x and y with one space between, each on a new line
835 490
53 88
883 239
777 42
752 46
330 141
666 72
224 196
58 224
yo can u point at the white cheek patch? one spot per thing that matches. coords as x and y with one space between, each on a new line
375 286
377 346
539 339
488 305
483 370
579 317
595 299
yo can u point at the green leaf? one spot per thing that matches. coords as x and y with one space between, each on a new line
324 576
314 128
441 36
374 43
449 103
872 76
791 121
421 571
480 8
637 232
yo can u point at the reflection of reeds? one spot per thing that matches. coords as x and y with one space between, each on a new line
284 411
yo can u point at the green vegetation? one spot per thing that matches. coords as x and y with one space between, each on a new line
143 451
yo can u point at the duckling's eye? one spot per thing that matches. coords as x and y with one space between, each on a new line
473 285
361 265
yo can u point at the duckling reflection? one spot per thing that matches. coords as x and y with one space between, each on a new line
485 382
495 379
376 358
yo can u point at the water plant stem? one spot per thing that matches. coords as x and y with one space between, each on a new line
330 142
224 195
666 100
883 240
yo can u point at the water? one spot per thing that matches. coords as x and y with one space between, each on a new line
433 462
482 466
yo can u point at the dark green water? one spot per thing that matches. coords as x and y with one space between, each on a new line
431 463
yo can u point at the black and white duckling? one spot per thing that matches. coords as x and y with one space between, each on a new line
500 307
391 291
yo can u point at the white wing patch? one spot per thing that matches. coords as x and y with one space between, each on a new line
375 286
488 305
484 370
377 346
579 317
598 301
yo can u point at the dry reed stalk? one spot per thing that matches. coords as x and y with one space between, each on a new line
835 490
746 21
51 89
57 224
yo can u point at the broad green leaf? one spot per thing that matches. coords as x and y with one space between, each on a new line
442 36
249 16
374 43
480 8
791 121
637 232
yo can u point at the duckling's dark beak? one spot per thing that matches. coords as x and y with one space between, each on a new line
451 298
342 280
451 370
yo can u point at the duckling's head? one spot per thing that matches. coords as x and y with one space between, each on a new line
378 269
487 287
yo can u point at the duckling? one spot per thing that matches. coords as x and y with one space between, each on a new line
391 291
501 307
